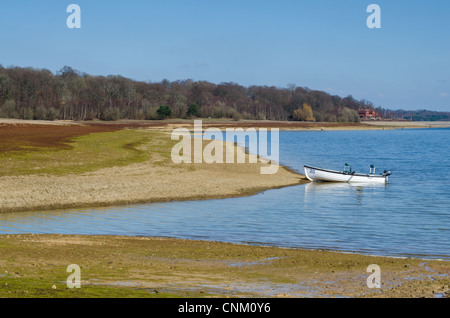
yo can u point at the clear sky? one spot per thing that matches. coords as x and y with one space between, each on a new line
321 44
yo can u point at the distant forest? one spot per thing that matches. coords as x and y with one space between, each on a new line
28 93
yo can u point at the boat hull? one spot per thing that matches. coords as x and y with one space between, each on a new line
323 175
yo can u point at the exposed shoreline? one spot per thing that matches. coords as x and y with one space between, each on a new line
156 179
49 192
55 206
176 267
120 266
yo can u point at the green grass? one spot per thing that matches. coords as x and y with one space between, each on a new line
90 152
13 287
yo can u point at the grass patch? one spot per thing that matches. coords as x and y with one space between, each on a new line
89 152
13 287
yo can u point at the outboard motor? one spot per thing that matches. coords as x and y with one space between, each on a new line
386 173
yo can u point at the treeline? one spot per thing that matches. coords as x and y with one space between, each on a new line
28 93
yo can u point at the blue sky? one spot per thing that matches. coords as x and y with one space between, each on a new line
321 44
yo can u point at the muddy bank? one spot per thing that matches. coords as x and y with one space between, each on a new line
113 266
136 184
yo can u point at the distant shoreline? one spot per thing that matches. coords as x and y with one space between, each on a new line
227 123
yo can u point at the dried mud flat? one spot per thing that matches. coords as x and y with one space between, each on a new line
157 267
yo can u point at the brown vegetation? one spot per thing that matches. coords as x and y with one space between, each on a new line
26 136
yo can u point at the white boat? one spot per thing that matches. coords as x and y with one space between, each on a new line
318 175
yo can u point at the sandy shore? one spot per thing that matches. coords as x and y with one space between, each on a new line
409 124
305 126
136 183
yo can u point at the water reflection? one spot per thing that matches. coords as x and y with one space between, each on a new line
324 190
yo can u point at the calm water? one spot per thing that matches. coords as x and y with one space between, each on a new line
410 216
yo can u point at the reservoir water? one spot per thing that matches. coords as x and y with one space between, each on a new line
408 217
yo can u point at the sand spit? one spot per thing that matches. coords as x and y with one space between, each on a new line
136 183
144 182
